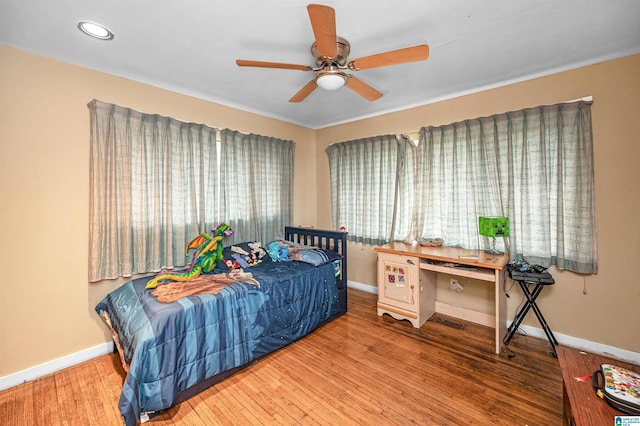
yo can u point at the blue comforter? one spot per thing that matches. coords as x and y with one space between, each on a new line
172 346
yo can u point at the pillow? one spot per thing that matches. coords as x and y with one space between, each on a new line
313 255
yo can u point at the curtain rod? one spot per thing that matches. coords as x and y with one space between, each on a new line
585 99
409 134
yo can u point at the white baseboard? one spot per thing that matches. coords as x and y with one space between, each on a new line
51 367
584 345
563 339
362 287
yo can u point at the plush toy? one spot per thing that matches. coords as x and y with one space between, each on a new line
256 247
232 264
247 259
284 253
252 259
207 252
274 251
208 261
278 252
175 276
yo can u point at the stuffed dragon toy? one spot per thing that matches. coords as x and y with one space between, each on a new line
207 252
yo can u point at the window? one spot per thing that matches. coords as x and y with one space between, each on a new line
534 166
257 175
366 176
157 182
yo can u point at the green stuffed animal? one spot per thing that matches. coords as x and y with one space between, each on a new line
208 251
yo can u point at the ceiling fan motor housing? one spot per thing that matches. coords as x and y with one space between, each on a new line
343 50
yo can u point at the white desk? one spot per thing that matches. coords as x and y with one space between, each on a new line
407 280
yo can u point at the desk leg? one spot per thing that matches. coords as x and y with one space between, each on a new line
427 294
501 309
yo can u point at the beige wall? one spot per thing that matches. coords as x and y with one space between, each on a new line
46 305
610 311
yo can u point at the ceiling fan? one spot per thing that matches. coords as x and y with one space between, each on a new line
331 53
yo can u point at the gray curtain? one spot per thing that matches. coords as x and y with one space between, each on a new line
257 175
366 176
534 166
153 182
156 183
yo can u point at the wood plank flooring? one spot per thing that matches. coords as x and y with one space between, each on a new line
359 369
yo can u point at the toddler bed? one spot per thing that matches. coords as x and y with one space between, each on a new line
174 350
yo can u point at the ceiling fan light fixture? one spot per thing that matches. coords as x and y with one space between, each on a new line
331 59
95 30
331 80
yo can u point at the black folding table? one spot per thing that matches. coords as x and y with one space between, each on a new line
538 280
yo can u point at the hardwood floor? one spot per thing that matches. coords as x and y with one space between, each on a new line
359 369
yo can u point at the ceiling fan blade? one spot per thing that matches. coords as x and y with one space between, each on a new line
323 22
363 89
263 64
304 92
393 57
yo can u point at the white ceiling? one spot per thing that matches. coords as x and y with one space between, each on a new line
190 46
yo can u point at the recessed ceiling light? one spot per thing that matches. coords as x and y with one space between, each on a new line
95 30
